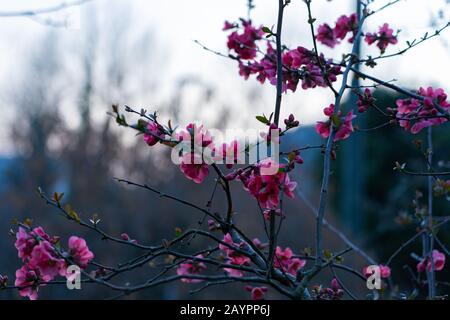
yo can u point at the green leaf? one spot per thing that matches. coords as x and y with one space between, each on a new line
263 119
266 30
327 254
72 214
339 259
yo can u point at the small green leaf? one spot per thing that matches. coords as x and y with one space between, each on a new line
339 259
327 254
263 119
72 214
266 30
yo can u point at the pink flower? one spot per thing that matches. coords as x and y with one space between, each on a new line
438 261
422 265
192 163
229 240
326 36
414 115
299 64
191 267
125 236
29 280
365 101
346 128
346 24
24 243
227 26
45 259
193 167
385 36
335 285
333 293
153 133
79 252
266 187
286 262
323 128
385 271
312 77
233 257
344 125
257 293
244 43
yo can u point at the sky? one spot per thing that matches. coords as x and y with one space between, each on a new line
177 23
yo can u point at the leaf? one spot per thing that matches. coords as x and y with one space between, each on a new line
327 254
72 214
263 119
178 232
339 259
57 197
266 30
28 222
291 156
141 125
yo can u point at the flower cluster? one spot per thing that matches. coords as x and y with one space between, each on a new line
265 187
285 261
299 64
383 37
414 115
42 262
333 293
343 125
332 36
191 267
365 100
438 262
233 257
192 159
243 43
154 133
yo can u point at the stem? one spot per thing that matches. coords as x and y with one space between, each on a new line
279 62
328 150
428 236
276 121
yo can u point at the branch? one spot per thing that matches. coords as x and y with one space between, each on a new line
27 13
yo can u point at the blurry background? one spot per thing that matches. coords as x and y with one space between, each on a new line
61 72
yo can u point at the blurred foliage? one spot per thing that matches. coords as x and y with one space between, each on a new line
388 211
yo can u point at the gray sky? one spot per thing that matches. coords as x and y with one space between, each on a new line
177 23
